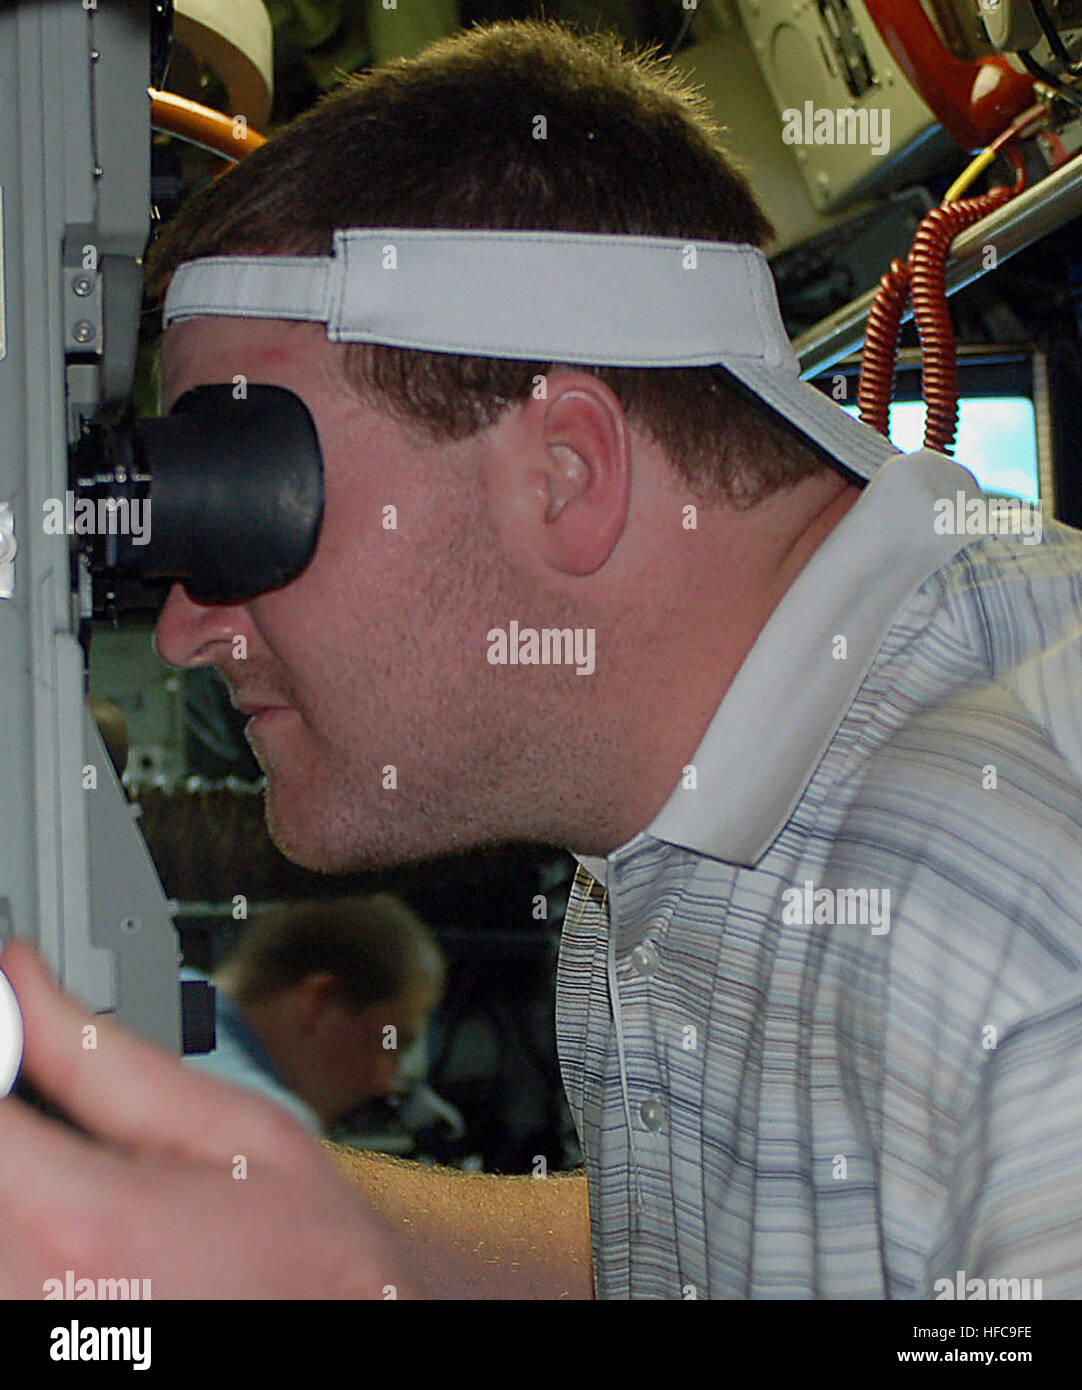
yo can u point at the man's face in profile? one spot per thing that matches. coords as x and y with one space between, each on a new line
382 715
365 1052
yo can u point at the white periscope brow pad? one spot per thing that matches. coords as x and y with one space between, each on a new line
618 301
11 1036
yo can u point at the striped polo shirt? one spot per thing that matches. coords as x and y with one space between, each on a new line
820 1024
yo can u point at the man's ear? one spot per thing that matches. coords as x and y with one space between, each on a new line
316 994
576 474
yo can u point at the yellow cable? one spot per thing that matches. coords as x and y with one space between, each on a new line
969 173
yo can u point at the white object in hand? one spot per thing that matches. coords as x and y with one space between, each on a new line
11 1036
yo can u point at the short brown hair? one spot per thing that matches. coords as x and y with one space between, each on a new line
446 139
376 947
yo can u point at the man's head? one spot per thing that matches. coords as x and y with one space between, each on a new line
461 499
336 989
516 126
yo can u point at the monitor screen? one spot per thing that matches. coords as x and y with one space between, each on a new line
1004 429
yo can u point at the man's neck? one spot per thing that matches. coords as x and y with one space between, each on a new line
759 554
836 506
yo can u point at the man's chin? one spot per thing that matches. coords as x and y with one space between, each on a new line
300 844
317 843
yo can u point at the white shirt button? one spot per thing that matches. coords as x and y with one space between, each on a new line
652 1113
644 959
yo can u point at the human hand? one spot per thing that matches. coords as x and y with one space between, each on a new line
204 1189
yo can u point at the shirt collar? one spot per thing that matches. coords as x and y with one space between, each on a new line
785 703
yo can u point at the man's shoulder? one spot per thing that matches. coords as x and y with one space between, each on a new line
970 815
962 781
1011 594
976 687
229 1062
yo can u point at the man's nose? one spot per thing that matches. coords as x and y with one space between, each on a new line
187 633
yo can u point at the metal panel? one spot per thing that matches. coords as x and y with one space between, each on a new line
74 161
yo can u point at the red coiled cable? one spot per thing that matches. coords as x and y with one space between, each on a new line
880 353
923 276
